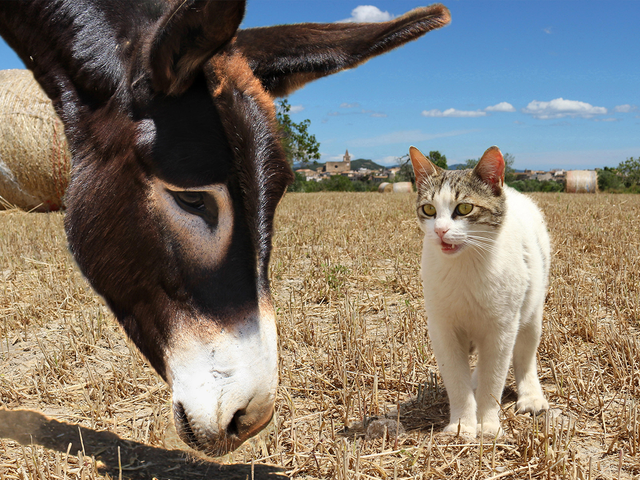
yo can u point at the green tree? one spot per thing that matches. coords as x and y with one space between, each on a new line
469 163
630 170
337 183
509 172
405 174
299 145
438 159
537 186
608 180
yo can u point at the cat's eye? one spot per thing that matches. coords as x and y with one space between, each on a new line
429 210
464 209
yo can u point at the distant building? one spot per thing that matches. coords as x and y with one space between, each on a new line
308 173
393 171
339 167
544 176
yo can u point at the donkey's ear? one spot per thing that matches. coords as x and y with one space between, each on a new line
187 35
286 57
490 169
422 166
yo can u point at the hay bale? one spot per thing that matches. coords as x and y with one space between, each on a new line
402 187
34 156
582 181
385 187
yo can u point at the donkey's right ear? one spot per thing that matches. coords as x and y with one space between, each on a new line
286 57
187 36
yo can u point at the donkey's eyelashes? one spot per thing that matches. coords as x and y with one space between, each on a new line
190 201
202 204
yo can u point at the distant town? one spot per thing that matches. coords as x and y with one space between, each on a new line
362 169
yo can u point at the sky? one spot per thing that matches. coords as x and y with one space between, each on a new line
555 83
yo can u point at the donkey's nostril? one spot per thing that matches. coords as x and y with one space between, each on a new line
233 429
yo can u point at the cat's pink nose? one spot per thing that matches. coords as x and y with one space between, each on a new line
441 232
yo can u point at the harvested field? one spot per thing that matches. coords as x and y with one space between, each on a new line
78 401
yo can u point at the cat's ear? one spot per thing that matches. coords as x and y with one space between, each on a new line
490 169
422 166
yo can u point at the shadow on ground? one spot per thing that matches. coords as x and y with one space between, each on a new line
138 461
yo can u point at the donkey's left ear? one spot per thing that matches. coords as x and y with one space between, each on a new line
286 57
186 36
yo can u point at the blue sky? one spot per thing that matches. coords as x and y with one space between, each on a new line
553 82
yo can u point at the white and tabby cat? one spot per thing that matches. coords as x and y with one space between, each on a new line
485 265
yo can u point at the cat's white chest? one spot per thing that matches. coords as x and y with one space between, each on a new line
471 294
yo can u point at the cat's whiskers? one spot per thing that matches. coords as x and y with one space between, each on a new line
482 245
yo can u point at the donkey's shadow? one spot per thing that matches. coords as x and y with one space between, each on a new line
138 461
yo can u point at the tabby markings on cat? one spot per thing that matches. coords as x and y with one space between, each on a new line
485 268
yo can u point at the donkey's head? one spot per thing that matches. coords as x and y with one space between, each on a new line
178 169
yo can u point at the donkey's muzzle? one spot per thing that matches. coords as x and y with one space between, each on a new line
224 383
219 441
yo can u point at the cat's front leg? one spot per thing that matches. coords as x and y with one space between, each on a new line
494 356
453 362
530 396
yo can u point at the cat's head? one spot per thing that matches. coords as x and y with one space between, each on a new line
460 210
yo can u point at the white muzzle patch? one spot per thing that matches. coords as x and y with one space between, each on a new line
224 386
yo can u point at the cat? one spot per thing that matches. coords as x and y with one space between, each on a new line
485 268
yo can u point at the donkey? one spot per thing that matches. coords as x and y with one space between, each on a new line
177 171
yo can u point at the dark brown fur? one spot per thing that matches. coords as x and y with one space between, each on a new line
152 91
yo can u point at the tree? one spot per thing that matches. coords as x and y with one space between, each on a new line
438 159
299 145
630 170
405 174
608 180
509 172
469 163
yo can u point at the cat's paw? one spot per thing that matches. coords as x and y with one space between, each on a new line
490 429
532 404
464 429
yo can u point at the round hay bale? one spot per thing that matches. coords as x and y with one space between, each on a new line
34 156
402 187
582 181
385 187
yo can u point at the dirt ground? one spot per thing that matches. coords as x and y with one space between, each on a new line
78 401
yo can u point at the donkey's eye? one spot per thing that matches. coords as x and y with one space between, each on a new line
464 209
429 210
192 202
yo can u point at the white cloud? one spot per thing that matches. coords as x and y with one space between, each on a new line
624 108
452 112
368 14
296 108
501 107
547 30
378 115
350 105
560 108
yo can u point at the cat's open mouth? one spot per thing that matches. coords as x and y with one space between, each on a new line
449 248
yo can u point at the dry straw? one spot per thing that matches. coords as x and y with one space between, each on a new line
34 156
354 352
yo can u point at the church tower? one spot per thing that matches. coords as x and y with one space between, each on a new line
347 159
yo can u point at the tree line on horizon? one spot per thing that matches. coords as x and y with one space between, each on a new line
302 147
